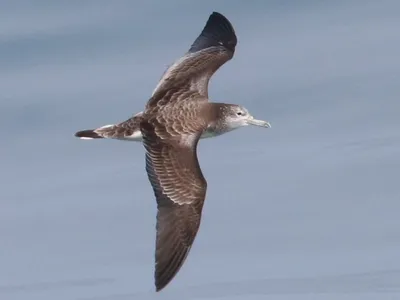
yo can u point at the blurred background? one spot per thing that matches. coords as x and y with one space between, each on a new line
305 210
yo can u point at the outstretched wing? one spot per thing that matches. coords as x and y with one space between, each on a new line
179 187
177 227
213 47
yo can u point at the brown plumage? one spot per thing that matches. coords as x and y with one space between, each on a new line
178 184
191 73
176 116
213 47
126 130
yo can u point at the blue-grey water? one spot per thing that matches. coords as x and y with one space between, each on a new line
308 209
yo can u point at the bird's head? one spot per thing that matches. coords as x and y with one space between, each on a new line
238 116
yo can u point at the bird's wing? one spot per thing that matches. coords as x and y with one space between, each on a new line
213 47
179 187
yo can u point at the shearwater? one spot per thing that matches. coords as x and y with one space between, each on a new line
177 115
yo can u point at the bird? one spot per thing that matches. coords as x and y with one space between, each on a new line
176 116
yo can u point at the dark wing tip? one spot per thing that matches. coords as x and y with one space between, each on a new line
218 31
177 227
167 270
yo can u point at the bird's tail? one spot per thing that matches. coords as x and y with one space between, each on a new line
88 134
127 130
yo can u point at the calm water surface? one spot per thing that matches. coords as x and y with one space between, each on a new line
305 210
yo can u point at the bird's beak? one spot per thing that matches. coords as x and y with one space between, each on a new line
261 123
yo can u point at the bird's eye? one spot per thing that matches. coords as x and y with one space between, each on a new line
239 113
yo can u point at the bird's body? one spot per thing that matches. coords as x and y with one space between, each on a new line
128 130
178 114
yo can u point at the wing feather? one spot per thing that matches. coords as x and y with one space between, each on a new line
171 132
180 188
213 47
